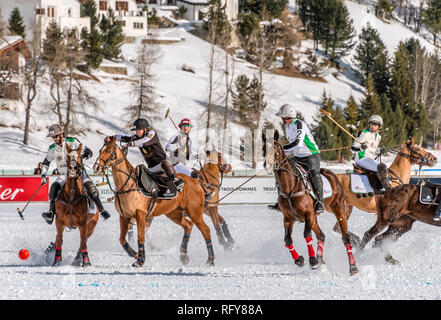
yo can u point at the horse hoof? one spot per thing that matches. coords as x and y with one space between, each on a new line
300 261
137 264
184 258
313 263
57 263
320 260
86 264
76 263
210 262
392 260
353 270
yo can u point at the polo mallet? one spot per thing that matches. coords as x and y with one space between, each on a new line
326 113
20 212
235 189
167 115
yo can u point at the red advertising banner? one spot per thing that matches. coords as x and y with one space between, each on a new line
21 189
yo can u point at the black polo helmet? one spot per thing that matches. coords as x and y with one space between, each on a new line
140 124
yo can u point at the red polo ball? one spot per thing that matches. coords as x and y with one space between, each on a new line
23 254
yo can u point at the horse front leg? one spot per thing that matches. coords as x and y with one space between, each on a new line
58 243
307 234
288 225
83 245
140 225
124 228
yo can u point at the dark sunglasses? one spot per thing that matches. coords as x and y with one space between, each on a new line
57 136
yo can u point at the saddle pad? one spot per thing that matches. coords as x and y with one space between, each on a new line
428 194
360 183
327 190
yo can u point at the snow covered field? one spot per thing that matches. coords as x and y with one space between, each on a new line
259 269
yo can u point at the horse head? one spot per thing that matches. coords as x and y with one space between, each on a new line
74 162
273 152
418 155
108 155
217 158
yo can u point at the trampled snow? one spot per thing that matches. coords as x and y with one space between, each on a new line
260 267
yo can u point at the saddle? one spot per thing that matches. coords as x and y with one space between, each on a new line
430 193
153 185
374 181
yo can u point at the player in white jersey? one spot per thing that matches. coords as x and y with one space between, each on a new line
180 151
302 146
366 150
57 152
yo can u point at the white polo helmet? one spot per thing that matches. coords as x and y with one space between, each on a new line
287 111
376 119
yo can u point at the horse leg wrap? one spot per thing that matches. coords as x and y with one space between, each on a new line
85 255
320 245
350 255
58 253
129 250
184 243
311 252
209 248
141 253
293 252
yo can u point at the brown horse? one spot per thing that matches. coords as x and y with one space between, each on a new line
296 204
400 171
212 175
398 209
72 211
131 203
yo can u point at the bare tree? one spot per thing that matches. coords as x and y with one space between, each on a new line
144 89
31 73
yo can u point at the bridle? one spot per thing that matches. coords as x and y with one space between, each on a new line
222 169
278 167
415 157
113 165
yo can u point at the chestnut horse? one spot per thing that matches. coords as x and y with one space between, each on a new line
296 204
212 175
398 209
131 203
400 171
72 211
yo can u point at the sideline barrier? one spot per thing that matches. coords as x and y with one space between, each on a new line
260 190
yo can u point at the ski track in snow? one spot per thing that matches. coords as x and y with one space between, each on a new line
260 268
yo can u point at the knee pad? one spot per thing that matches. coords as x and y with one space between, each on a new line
54 191
91 189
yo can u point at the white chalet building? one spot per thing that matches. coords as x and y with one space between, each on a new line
134 22
40 13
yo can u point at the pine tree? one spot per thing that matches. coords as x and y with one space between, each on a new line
324 130
53 41
112 35
342 32
91 43
432 17
401 93
352 115
89 9
16 23
388 131
367 51
216 20
370 104
381 72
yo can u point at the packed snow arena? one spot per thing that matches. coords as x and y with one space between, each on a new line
158 152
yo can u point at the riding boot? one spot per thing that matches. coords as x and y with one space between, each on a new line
437 213
208 193
173 182
93 193
53 194
382 174
317 185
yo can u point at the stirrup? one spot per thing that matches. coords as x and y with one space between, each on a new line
179 184
319 207
48 216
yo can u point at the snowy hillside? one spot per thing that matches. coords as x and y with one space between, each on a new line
184 93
